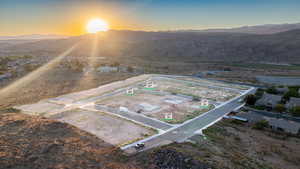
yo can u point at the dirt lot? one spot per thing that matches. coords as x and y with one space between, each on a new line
100 124
156 104
28 142
220 95
230 145
212 83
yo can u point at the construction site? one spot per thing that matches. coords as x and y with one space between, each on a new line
125 112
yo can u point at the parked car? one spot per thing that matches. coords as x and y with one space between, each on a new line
139 146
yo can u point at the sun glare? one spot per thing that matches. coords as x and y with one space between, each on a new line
97 25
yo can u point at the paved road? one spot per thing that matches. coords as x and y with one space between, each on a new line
188 129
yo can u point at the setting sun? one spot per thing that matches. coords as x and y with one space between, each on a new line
97 25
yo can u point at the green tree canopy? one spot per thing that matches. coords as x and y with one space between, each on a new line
296 111
250 99
280 108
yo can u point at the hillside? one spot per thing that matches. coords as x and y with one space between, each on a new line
259 29
33 37
33 143
143 47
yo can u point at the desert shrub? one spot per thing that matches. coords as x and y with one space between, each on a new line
3 64
115 64
74 64
259 92
238 122
250 99
280 108
291 93
295 111
272 90
227 69
294 87
9 110
260 125
30 67
261 107
196 98
130 69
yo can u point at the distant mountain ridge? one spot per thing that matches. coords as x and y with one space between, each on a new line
258 29
33 37
178 47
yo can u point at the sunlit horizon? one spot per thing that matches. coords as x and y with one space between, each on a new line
19 17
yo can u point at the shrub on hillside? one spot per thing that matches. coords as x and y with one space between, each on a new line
260 125
291 93
250 99
259 92
272 90
295 111
280 108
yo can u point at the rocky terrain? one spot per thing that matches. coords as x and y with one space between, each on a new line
169 158
28 142
229 145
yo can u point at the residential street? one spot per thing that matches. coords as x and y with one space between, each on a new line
188 129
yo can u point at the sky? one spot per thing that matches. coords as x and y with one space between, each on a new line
69 17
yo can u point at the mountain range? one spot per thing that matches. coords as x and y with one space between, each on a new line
258 29
33 37
164 47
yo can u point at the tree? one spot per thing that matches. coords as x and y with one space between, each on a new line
280 108
130 69
115 64
294 87
291 93
272 90
250 99
196 98
260 125
296 111
259 92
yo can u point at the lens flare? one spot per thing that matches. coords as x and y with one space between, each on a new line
97 25
17 85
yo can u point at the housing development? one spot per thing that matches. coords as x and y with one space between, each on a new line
149 109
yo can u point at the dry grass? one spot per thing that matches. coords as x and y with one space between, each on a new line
34 142
55 83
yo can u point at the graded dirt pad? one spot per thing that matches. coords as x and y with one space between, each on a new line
109 128
154 104
199 88
30 142
214 83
